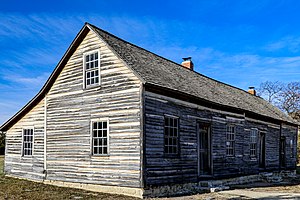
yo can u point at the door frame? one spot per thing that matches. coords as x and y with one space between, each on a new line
210 163
282 153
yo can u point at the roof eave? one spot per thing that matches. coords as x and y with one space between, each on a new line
214 104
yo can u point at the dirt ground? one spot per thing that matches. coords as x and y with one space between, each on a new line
287 189
11 188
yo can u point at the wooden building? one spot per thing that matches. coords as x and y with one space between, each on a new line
117 118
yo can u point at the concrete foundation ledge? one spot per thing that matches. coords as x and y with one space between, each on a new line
134 192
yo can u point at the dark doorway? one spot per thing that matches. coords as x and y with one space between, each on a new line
204 149
262 150
282 152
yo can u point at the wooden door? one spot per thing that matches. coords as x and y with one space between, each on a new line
262 149
204 149
282 152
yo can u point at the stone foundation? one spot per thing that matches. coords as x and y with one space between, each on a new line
215 185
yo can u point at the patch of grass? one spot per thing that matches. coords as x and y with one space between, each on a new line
13 188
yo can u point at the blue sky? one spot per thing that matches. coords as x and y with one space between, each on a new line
239 42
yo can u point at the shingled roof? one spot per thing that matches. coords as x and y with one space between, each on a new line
160 72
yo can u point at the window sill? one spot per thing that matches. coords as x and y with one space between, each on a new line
91 87
27 157
100 157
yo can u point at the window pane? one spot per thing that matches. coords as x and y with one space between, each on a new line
87 58
95 150
167 121
175 122
96 55
104 133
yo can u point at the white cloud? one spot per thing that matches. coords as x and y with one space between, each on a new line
289 43
28 82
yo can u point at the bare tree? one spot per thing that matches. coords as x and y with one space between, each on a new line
285 96
290 100
270 91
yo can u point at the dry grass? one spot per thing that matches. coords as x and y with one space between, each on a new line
12 188
1 164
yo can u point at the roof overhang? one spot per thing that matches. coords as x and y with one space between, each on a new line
212 105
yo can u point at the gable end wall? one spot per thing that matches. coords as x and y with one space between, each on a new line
70 109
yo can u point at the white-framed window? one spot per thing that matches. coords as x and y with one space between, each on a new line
171 135
27 141
91 68
253 142
230 140
100 137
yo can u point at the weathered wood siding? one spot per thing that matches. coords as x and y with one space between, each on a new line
290 133
161 170
71 108
31 167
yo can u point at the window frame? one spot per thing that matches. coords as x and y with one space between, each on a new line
253 142
168 154
92 137
33 140
85 86
231 141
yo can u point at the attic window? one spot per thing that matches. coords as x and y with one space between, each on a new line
91 69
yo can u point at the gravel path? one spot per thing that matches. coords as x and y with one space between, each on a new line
244 193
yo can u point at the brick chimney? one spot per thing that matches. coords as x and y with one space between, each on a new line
252 91
187 63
